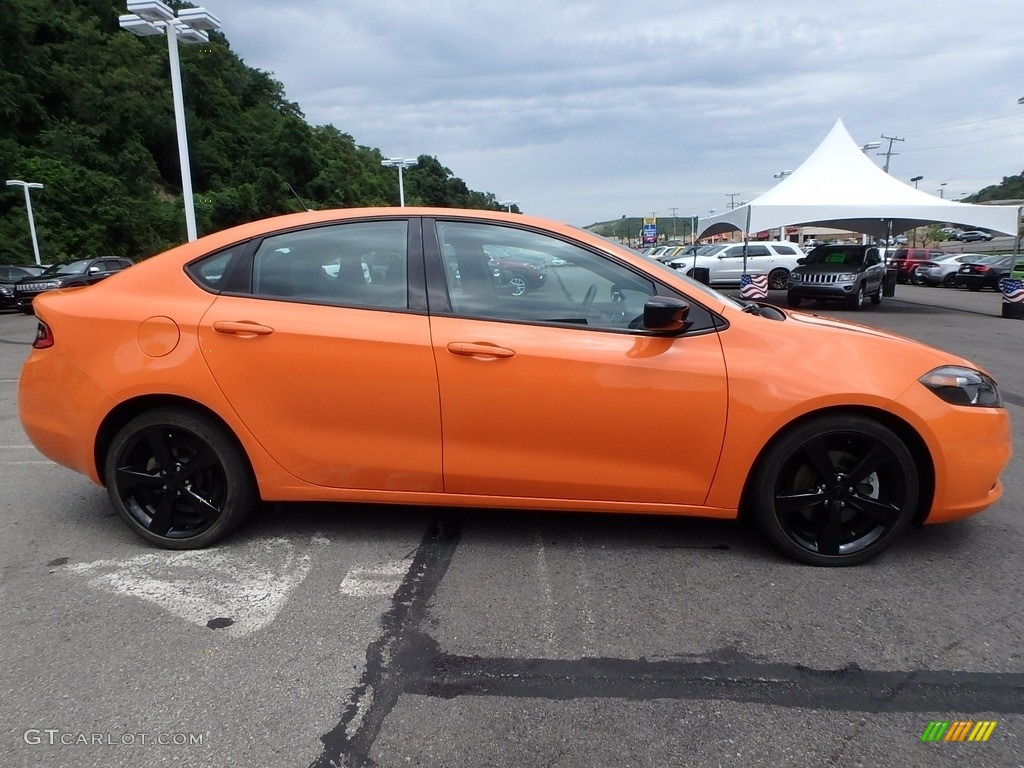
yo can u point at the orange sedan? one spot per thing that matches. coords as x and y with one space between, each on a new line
384 355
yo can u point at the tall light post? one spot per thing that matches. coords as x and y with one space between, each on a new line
916 179
147 18
942 189
870 145
400 163
508 204
782 174
28 205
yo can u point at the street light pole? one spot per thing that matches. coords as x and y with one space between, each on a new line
401 164
916 179
942 189
508 204
28 205
152 17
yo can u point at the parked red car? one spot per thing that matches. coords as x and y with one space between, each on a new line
907 260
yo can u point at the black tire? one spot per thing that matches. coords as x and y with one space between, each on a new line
876 297
916 279
778 279
26 310
835 491
178 479
857 300
793 301
949 281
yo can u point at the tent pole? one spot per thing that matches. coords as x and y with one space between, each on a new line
746 240
1016 239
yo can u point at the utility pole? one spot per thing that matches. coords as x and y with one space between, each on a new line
889 153
732 198
674 221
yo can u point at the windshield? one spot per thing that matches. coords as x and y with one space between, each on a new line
997 259
825 255
74 268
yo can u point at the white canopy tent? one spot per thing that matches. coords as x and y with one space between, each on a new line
838 186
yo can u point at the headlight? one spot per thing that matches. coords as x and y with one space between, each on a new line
7 290
963 386
845 278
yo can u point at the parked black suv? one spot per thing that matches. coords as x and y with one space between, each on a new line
844 272
82 272
9 275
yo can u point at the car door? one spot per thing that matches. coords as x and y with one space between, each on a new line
557 394
731 264
326 360
874 270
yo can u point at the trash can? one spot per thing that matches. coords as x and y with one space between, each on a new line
889 282
701 274
1012 289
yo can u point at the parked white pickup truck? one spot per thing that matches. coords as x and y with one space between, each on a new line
725 263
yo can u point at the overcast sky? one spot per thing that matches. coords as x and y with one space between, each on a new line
587 111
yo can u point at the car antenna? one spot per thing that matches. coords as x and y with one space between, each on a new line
304 207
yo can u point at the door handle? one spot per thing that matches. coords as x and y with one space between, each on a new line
480 349
242 328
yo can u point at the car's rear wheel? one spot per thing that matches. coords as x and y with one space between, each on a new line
178 479
836 490
857 299
916 279
949 281
778 279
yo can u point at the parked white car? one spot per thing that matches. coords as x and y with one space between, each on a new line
764 257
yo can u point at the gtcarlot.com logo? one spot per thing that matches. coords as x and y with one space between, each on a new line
54 736
958 730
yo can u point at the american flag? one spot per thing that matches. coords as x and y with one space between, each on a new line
753 286
1013 290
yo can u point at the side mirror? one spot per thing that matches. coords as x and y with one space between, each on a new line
93 270
666 314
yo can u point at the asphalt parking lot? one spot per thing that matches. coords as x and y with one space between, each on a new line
356 635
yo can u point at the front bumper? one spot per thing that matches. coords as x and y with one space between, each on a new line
822 290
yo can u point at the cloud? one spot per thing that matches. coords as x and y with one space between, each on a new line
584 111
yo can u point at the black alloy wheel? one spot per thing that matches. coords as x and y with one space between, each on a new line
836 490
778 279
178 479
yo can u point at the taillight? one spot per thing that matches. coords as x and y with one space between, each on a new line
981 268
44 336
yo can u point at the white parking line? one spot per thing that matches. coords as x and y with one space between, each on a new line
239 589
380 579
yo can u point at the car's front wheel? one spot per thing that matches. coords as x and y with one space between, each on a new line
518 284
793 301
836 490
876 297
778 279
178 479
949 281
857 299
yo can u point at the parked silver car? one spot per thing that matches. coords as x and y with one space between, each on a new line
848 273
942 271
